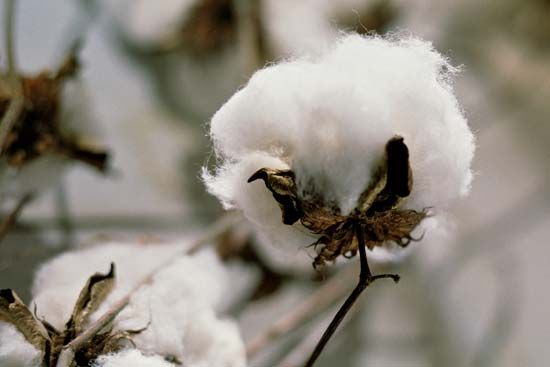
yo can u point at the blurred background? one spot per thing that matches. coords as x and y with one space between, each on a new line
154 72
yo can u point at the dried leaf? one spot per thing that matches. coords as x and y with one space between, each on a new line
14 311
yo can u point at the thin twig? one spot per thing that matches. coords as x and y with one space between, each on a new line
11 219
365 279
299 354
69 350
330 292
16 103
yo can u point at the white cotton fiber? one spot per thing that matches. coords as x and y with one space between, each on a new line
133 358
15 351
178 307
328 118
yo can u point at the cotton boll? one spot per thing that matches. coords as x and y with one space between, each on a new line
329 117
15 351
177 310
132 358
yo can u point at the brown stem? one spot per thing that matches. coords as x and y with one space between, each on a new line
299 354
310 307
10 220
365 279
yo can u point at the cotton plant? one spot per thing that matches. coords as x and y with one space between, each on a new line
356 151
53 127
172 319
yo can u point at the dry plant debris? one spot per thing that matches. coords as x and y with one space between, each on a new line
50 341
377 211
37 131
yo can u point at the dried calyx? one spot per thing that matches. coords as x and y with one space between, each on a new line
50 341
37 130
377 212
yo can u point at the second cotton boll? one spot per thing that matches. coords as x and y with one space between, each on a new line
329 118
176 314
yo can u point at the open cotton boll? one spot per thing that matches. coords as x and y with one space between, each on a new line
15 350
328 118
177 309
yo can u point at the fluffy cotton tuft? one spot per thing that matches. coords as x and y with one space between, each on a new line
15 351
132 358
178 308
328 118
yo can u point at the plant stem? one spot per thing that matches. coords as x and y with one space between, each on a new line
326 295
365 279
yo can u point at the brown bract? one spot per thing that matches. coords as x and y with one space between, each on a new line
378 209
50 341
37 131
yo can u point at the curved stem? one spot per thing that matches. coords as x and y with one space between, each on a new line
365 279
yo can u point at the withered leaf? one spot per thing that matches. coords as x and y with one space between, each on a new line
14 311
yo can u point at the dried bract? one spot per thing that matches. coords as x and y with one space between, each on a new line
50 341
377 209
